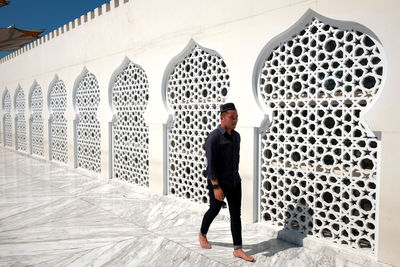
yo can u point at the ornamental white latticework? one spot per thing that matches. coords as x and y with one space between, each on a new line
7 119
37 121
87 99
58 122
195 88
130 94
319 162
20 119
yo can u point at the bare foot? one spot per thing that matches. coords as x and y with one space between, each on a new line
203 241
241 254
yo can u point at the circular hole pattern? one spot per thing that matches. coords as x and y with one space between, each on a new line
6 105
36 103
196 87
130 96
317 160
58 123
20 119
87 99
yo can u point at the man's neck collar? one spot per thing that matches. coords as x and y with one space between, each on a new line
225 131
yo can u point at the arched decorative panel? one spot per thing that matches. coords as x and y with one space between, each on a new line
86 100
129 97
36 125
20 120
58 122
319 161
196 84
7 119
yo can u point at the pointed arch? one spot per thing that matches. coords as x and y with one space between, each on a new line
6 120
195 83
128 98
20 121
114 76
78 80
49 91
36 126
3 97
86 99
316 80
57 105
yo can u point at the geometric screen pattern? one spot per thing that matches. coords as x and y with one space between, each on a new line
58 123
37 121
318 161
7 119
88 127
196 87
130 95
20 119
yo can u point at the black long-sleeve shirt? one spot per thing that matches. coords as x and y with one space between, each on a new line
222 153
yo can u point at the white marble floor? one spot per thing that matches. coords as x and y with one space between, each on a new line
54 216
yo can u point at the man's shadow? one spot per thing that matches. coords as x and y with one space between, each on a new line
269 247
298 223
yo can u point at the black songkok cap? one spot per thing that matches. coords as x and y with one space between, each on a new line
225 107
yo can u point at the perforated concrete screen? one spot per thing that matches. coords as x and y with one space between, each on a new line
196 87
130 94
58 122
7 119
37 121
319 161
87 99
20 119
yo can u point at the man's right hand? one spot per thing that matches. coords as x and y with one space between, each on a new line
219 194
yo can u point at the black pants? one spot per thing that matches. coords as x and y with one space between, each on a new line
234 197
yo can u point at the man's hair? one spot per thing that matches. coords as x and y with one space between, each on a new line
225 107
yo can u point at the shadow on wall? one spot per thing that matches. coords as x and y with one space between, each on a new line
298 223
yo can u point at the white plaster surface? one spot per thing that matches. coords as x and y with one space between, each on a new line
152 32
54 216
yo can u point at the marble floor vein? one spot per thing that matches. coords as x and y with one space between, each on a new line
54 216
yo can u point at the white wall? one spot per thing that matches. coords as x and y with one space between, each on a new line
151 33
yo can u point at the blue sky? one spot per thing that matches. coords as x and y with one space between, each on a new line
44 14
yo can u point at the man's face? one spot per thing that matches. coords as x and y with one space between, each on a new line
229 119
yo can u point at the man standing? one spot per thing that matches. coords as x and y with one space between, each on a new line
222 153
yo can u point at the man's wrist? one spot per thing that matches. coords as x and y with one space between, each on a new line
216 186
